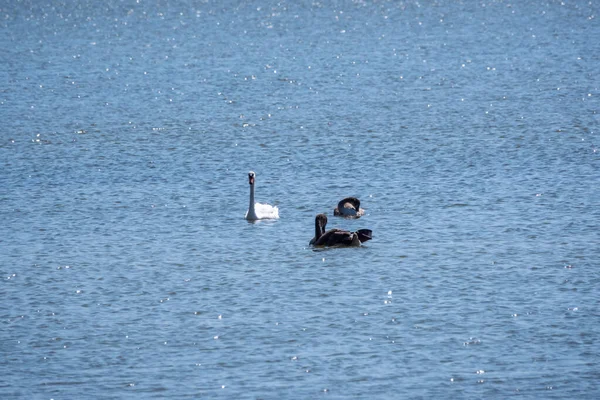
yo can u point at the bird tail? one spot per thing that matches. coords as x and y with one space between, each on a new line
364 235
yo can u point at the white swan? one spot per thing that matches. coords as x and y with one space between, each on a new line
259 210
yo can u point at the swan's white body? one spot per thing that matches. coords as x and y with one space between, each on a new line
262 211
258 211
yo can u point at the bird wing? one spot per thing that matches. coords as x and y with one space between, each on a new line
336 237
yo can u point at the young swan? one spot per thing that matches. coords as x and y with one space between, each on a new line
349 208
337 237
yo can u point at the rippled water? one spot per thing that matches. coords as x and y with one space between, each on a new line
468 130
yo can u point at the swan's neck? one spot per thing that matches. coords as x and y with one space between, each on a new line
251 210
318 230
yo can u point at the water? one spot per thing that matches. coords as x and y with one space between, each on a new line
469 132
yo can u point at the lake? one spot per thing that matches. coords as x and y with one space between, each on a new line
468 130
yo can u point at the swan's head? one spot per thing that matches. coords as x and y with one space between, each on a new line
251 176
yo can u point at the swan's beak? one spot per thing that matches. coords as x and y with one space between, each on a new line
251 179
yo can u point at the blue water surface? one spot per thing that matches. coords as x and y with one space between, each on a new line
469 130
